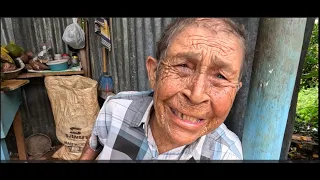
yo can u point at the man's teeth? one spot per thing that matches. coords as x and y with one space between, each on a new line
185 117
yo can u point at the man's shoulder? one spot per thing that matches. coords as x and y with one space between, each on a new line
134 99
127 106
228 141
130 95
222 132
223 135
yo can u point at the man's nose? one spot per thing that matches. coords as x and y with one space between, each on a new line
197 90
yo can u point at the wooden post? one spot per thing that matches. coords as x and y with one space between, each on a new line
84 52
18 132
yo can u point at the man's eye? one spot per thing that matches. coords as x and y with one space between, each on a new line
184 69
220 76
183 65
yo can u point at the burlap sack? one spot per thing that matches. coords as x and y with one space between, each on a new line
74 104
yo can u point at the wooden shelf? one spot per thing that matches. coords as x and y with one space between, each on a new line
42 74
13 84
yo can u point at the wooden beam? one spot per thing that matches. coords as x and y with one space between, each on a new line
18 132
86 26
13 84
33 75
84 53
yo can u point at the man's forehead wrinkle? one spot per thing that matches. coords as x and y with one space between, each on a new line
214 25
197 46
211 40
224 46
187 38
224 64
211 23
189 55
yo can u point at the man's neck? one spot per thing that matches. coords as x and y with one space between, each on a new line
163 142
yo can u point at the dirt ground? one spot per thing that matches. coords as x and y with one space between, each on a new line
303 148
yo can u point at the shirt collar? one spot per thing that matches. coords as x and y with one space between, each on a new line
145 118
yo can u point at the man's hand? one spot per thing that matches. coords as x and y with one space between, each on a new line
88 153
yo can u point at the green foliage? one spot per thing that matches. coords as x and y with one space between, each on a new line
307 110
307 106
310 77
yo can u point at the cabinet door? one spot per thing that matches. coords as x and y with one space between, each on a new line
10 102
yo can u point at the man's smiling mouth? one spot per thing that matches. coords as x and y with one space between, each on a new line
185 117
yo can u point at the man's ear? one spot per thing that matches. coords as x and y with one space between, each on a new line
151 65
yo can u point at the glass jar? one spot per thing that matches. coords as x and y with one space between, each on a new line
74 61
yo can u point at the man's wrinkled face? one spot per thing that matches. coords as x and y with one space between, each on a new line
196 84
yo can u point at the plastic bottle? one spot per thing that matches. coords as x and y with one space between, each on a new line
46 54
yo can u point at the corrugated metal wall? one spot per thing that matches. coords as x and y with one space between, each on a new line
30 33
134 40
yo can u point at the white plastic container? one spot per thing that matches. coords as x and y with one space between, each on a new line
58 65
57 56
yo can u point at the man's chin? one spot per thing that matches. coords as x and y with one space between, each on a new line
182 138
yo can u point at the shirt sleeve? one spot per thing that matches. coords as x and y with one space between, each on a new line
100 130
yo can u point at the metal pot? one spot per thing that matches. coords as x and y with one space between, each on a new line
38 144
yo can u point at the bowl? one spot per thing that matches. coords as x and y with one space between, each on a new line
15 73
58 65
38 144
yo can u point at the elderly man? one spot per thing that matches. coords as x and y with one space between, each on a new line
194 80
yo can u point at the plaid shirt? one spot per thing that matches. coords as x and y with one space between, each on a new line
122 131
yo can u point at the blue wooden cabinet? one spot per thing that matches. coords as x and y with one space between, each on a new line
10 103
11 99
